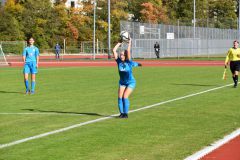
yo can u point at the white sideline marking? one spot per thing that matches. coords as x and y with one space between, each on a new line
58 114
103 118
214 146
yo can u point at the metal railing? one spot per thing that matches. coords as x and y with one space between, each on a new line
181 42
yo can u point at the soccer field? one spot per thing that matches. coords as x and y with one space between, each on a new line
171 130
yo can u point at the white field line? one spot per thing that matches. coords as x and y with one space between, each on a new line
214 146
103 118
58 114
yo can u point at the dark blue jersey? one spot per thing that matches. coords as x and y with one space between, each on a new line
58 47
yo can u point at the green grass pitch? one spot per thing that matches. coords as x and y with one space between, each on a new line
68 96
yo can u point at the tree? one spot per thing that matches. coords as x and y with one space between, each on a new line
223 13
171 8
119 11
10 29
59 26
153 13
82 19
134 8
41 22
185 12
10 26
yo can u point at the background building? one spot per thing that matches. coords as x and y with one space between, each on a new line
71 3
2 2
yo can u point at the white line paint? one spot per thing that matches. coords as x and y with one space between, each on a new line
104 118
214 146
57 114
53 132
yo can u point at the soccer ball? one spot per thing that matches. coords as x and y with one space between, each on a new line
125 37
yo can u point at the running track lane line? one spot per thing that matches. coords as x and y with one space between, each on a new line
104 118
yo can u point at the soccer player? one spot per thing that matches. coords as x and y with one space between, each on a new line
30 58
233 56
127 82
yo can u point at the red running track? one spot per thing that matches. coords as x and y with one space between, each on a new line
109 63
77 60
113 63
229 151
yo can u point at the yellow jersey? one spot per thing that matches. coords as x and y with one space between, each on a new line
233 55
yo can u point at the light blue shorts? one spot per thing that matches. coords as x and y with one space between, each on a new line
30 67
131 85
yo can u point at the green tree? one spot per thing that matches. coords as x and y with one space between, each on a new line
119 11
223 13
171 8
41 21
185 11
58 19
10 26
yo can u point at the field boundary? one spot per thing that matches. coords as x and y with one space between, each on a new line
112 63
214 146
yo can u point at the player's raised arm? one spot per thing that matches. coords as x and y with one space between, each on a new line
115 54
129 48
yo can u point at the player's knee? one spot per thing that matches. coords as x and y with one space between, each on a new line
125 96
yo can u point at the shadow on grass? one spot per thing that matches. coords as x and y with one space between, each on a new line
62 112
14 92
190 84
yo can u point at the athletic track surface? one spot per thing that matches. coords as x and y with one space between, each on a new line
228 151
75 61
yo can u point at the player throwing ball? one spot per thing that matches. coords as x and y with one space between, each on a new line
127 82
30 58
233 56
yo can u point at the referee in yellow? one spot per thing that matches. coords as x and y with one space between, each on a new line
233 56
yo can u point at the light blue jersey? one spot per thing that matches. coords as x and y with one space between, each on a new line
125 72
31 53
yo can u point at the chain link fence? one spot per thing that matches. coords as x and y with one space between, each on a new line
179 40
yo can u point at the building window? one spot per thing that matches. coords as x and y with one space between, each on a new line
72 4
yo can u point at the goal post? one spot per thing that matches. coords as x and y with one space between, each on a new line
10 49
3 60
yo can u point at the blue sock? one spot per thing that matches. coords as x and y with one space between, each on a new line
26 85
126 105
120 105
33 86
